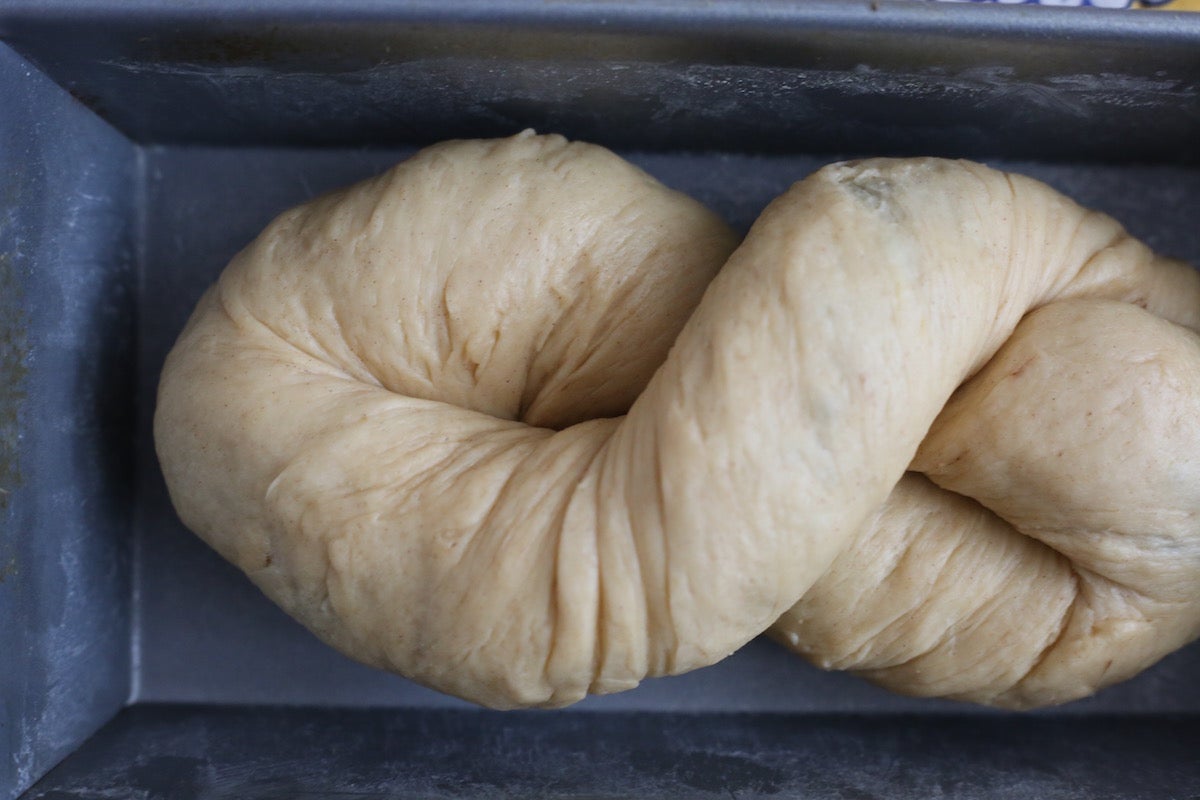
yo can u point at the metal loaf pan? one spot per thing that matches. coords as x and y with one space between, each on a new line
143 142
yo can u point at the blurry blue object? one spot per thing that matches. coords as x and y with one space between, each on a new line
1094 3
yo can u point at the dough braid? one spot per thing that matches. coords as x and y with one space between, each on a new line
519 423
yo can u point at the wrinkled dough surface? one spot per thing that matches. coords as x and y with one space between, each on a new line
1075 565
489 421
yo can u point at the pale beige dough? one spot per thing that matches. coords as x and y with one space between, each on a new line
400 412
1081 436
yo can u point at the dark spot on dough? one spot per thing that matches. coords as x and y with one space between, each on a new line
876 193
1016 373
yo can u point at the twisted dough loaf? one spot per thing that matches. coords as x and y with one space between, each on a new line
398 411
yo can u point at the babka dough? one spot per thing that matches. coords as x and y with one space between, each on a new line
489 421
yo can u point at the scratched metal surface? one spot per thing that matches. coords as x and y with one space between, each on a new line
66 333
187 753
768 75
